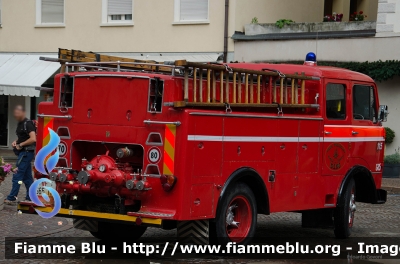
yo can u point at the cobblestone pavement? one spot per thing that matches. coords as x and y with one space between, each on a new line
371 221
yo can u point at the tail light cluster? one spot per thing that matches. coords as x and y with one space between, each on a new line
167 182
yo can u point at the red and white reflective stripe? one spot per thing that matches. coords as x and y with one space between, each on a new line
282 139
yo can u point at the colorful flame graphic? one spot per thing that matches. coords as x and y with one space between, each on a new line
46 151
35 199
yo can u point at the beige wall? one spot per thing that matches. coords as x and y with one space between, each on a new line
153 29
352 49
269 11
389 94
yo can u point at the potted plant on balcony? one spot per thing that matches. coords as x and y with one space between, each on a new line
5 170
333 18
391 167
358 16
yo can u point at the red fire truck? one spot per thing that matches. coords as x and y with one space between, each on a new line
205 147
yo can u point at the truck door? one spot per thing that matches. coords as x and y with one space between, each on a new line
337 132
367 135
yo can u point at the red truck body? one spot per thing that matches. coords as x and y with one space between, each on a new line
177 164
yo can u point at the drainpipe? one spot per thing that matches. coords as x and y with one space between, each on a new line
226 30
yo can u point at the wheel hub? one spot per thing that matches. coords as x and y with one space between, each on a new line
230 216
352 208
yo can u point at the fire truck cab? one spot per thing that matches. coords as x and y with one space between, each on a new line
204 148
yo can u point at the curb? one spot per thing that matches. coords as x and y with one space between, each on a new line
391 189
10 158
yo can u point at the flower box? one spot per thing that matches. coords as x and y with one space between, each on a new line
271 28
391 171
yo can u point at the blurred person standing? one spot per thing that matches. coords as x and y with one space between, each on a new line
24 148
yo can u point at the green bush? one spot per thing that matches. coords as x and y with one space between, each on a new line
392 159
380 71
283 22
390 135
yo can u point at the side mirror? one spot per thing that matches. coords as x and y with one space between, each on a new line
383 113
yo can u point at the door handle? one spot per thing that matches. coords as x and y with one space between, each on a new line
328 133
354 133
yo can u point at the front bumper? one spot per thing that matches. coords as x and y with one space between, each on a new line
79 214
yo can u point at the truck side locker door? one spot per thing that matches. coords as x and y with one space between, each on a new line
335 151
308 178
287 163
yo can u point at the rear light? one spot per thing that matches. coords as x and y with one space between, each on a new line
168 182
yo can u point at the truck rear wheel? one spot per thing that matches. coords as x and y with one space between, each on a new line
344 214
237 218
116 231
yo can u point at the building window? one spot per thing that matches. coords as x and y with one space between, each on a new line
191 11
49 12
118 11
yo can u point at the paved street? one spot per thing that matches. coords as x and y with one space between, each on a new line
371 221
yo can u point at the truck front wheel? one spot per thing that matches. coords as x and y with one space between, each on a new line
237 218
115 231
344 214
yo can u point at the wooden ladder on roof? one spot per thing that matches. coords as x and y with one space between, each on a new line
240 87
77 56
206 84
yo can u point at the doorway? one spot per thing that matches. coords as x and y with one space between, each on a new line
4 120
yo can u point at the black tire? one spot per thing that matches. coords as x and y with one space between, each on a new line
108 231
242 195
344 214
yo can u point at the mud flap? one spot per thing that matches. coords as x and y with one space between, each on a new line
194 232
87 225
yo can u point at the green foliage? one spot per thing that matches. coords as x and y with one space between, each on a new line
380 71
283 22
254 20
392 159
390 135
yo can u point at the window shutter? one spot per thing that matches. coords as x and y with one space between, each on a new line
194 10
52 11
119 7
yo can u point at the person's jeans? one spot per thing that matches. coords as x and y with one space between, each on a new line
24 174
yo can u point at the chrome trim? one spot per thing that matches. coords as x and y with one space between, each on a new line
152 175
148 97
64 137
62 168
73 93
149 122
69 117
256 116
152 143
119 62
111 75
